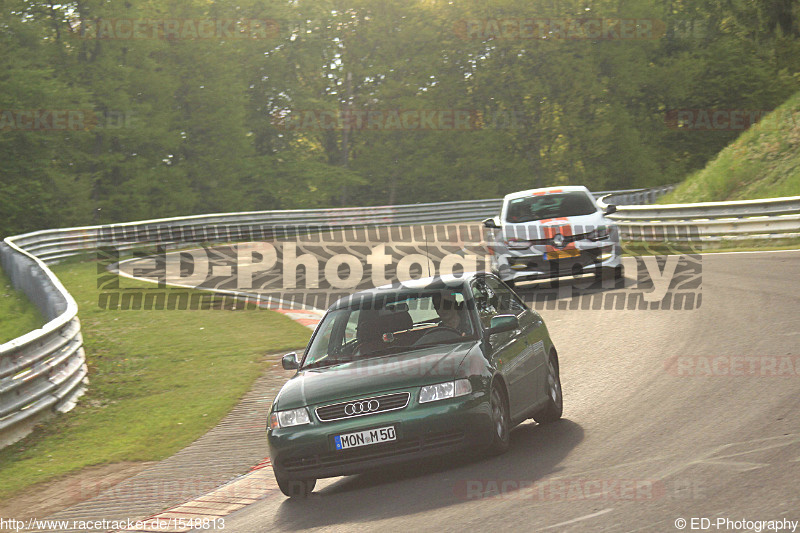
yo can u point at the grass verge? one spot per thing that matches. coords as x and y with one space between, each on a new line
159 380
631 248
763 162
18 315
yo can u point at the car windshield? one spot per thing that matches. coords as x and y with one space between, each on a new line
554 205
402 322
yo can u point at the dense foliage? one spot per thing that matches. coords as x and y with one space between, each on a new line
190 120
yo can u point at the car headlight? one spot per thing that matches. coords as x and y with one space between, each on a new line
285 419
441 391
599 234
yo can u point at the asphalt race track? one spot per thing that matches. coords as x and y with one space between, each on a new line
668 415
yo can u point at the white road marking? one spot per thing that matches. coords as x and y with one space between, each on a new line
579 519
711 456
739 466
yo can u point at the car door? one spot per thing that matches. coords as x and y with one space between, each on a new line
532 336
505 348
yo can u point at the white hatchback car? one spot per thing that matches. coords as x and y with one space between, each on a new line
553 232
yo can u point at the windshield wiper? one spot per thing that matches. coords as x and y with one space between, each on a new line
451 341
326 362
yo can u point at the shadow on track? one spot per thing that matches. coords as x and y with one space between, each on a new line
535 452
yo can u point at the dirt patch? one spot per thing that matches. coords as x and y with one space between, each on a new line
44 499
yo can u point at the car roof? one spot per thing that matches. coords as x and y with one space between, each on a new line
545 190
389 292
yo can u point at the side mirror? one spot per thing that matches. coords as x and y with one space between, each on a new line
611 209
490 223
290 362
502 323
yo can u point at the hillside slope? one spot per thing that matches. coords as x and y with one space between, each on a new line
763 162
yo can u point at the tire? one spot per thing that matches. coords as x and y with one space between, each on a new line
501 421
296 488
555 402
618 273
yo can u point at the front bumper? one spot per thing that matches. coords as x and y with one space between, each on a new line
534 262
423 430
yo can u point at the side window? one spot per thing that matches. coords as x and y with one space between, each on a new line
507 302
326 342
485 302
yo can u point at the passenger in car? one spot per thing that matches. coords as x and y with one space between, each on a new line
451 313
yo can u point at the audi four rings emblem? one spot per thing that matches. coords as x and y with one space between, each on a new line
359 408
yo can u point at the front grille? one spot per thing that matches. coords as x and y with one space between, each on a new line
363 407
378 451
549 240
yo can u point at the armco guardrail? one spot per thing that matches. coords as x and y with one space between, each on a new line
636 196
53 245
45 371
772 218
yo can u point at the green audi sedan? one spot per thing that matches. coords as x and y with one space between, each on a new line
402 372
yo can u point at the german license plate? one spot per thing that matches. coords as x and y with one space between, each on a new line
561 254
364 438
